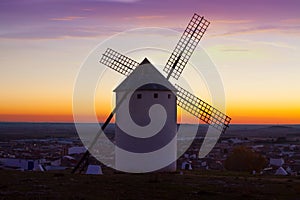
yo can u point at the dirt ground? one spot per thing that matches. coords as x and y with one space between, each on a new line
189 185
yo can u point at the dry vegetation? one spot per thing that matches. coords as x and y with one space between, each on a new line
190 185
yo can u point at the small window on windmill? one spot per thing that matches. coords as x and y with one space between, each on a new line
155 95
169 96
139 96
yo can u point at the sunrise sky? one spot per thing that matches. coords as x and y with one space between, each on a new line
255 45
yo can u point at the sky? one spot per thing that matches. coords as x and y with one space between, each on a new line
255 45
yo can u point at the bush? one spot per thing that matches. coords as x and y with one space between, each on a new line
243 159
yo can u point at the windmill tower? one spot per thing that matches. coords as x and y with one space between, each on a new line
143 135
186 100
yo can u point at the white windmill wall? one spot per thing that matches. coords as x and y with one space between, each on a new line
139 109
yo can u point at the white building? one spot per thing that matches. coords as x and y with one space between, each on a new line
281 171
186 165
94 169
22 164
76 150
276 162
146 122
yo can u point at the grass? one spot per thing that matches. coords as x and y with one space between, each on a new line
190 185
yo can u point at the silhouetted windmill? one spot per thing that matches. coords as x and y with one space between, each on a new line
174 67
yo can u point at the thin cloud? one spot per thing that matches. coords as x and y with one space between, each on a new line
50 32
145 17
291 21
88 9
150 17
274 44
68 18
235 50
261 29
119 1
232 21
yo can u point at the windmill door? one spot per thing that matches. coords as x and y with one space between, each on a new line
30 165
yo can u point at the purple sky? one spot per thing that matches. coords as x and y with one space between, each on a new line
58 18
255 45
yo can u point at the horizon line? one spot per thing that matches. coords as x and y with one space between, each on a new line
67 122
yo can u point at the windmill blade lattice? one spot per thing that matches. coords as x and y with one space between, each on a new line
174 67
185 99
202 110
118 62
186 45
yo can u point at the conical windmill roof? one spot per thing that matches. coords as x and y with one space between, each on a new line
147 76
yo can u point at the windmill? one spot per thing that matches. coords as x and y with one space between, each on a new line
174 67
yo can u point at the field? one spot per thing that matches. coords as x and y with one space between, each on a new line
189 185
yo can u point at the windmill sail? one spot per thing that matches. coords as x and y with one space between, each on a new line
185 99
202 110
186 45
118 62
174 67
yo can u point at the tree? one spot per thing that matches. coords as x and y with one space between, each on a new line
243 159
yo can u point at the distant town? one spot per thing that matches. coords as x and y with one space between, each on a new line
279 145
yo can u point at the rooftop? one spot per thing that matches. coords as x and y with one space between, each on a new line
145 77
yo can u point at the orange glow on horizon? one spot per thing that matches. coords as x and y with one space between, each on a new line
243 112
236 119
35 118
